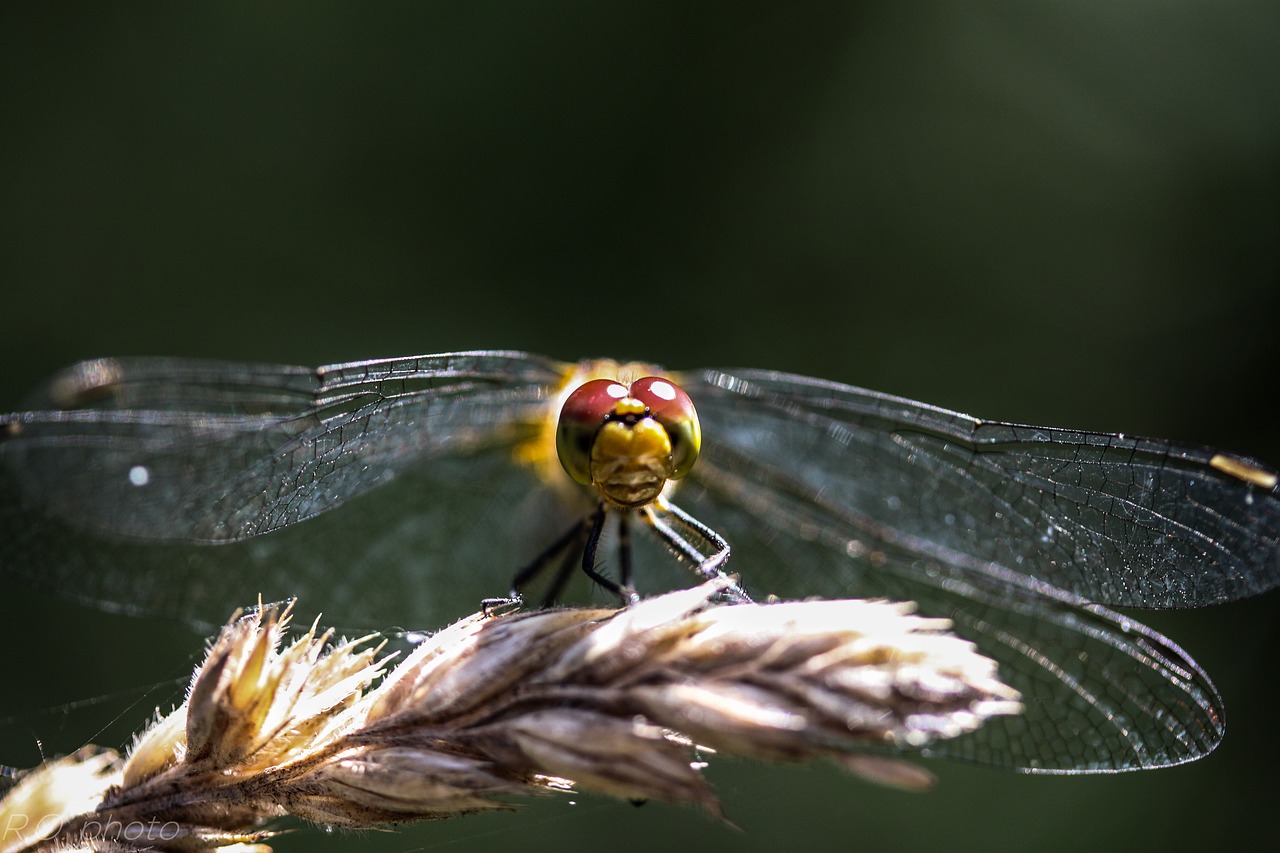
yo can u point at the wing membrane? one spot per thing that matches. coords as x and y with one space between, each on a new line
1021 535
182 450
1116 520
1102 692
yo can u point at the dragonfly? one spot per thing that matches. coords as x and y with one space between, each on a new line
393 491
630 440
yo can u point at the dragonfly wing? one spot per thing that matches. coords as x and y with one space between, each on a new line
1101 691
1019 535
140 485
183 450
1117 520
418 551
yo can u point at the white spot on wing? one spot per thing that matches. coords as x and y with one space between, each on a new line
139 475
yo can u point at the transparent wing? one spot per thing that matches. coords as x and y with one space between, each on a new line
416 552
108 488
232 450
1116 520
1015 533
1101 691
180 450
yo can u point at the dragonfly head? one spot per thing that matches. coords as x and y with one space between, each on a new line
628 440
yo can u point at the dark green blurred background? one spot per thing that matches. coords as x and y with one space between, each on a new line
1065 213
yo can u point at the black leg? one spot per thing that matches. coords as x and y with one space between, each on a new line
577 533
624 550
710 567
589 559
585 536
568 562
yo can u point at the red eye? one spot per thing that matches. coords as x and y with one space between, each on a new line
580 418
664 398
670 406
591 402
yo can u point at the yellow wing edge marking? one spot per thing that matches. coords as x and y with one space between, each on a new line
1243 471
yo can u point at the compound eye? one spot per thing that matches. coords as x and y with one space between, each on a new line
670 406
581 417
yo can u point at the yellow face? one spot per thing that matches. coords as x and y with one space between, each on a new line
628 440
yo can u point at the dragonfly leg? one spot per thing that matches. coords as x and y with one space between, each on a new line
624 593
568 562
710 567
624 557
567 544
624 550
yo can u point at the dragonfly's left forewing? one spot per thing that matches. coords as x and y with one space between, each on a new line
827 490
1118 520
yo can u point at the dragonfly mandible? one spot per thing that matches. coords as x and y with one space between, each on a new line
399 491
